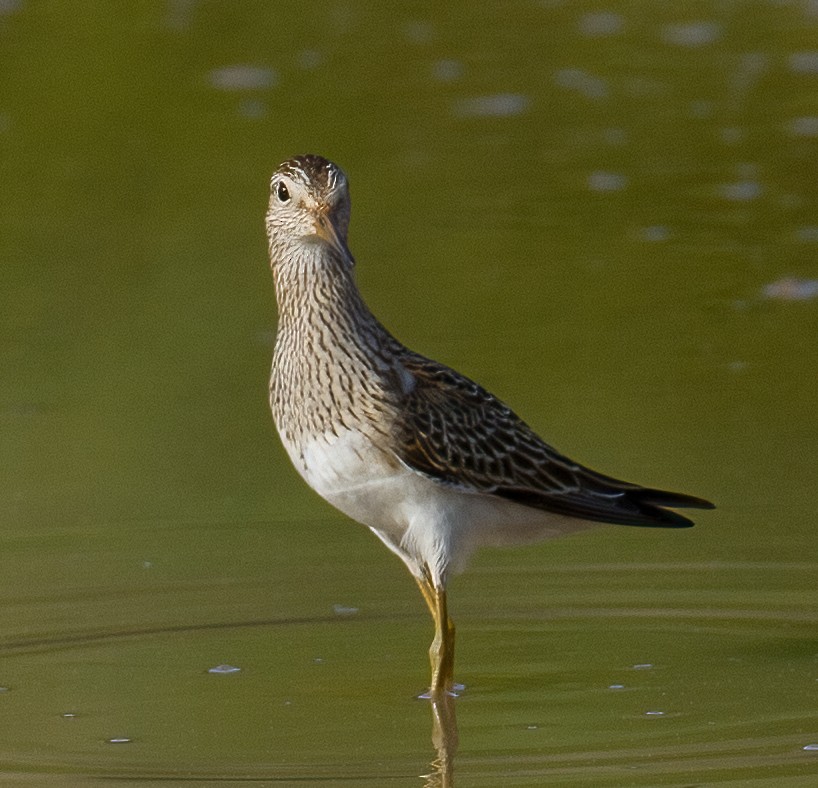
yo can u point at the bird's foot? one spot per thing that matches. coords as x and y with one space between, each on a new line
454 690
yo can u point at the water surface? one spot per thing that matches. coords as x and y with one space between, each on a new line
606 214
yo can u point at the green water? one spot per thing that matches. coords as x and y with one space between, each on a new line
607 214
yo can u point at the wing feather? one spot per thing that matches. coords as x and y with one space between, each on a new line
454 431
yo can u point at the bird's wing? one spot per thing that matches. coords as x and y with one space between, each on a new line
454 431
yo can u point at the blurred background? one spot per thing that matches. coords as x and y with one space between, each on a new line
607 213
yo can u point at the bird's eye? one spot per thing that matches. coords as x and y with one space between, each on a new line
282 192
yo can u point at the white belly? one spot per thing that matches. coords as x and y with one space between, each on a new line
423 521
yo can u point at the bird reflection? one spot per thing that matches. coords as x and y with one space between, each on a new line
444 739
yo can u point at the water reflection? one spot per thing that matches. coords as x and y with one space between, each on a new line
445 741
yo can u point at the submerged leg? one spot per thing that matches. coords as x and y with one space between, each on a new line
441 652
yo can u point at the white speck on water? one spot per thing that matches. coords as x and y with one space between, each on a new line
497 105
747 170
810 747
10 6
318 661
732 135
4 689
807 234
741 191
791 288
615 136
616 686
654 714
224 670
655 233
120 740
241 77
419 32
604 181
309 59
806 126
600 23
803 62
701 109
252 108
68 715
447 70
643 666
691 34
582 82
751 67
343 611
532 727
178 14
147 564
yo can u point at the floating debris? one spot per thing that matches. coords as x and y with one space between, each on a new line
654 714
791 288
224 669
343 611
120 740
616 686
810 747
643 666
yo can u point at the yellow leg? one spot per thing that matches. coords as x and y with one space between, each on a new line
441 652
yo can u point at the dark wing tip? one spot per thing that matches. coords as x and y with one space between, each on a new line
675 500
628 505
653 507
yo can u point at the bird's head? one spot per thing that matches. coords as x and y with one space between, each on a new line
309 206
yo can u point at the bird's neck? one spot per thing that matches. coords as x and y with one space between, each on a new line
329 349
318 293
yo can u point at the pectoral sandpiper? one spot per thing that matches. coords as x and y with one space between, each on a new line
431 462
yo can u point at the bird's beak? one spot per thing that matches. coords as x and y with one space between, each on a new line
328 232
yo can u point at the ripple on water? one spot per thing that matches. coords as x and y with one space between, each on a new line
224 670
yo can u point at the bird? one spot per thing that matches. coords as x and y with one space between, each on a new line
430 461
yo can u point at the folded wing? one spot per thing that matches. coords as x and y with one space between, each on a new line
454 431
